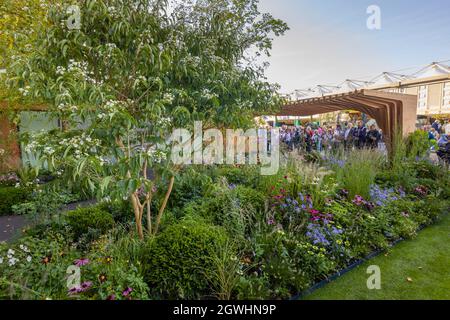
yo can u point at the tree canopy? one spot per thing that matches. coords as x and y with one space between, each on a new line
133 71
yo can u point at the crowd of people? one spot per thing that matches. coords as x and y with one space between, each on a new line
325 138
439 132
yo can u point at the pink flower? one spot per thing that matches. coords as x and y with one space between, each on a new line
127 292
86 285
81 262
79 289
358 200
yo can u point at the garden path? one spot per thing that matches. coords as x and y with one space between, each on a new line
11 225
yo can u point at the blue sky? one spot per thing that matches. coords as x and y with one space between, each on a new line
329 41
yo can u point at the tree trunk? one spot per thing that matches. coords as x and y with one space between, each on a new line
137 215
164 204
149 217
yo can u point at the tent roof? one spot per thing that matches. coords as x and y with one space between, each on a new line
388 109
432 70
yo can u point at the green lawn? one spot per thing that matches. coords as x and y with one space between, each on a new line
425 260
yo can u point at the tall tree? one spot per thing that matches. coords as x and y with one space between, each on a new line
133 71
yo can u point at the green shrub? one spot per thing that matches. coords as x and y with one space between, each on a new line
250 198
417 144
244 175
40 267
82 220
189 186
289 264
359 172
121 211
10 196
44 204
232 208
178 259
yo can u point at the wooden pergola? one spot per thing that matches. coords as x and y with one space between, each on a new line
392 111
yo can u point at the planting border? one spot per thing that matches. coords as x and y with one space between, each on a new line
352 266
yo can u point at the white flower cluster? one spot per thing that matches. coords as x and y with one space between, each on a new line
168 97
140 80
49 150
163 122
25 91
110 109
103 160
156 155
207 94
113 11
78 68
12 258
107 52
111 46
43 4
33 145
192 60
64 107
81 144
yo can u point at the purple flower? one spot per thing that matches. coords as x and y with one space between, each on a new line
86 285
301 197
271 222
81 262
316 235
79 289
336 231
308 199
127 292
73 290
111 297
358 200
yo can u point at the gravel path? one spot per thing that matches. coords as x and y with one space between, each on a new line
10 226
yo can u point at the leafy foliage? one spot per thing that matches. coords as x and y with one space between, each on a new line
132 73
11 196
82 220
178 259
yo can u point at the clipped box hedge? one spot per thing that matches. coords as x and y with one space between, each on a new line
10 196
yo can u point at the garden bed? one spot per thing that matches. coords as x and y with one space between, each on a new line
230 233
349 268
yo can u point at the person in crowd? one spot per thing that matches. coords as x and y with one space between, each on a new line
443 140
437 126
348 136
308 139
359 135
447 128
326 139
317 140
432 134
338 137
373 137
296 139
